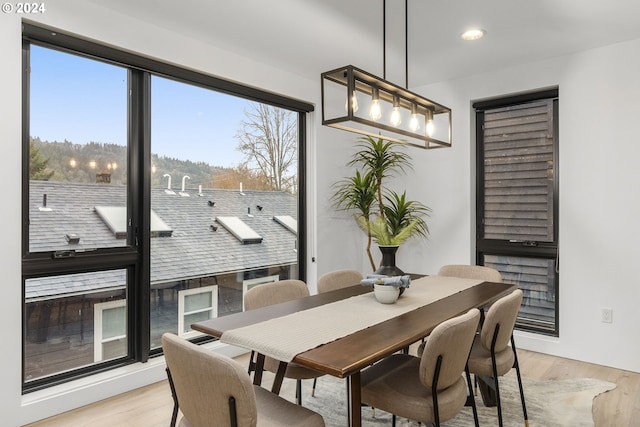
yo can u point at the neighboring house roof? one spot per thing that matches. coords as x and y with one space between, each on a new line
192 250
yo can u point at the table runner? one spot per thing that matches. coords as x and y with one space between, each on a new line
285 337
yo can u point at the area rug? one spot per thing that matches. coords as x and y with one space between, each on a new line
552 403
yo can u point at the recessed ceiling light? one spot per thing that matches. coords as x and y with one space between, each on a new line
473 34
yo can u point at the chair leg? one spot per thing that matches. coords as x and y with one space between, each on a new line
251 363
299 392
174 414
475 385
313 387
517 366
434 391
473 399
495 378
233 415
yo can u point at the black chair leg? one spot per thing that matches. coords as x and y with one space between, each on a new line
233 414
299 392
517 366
497 389
475 385
252 364
472 397
174 414
313 387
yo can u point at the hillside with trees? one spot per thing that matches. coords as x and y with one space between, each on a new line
267 138
66 161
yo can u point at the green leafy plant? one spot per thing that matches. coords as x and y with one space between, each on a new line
403 219
358 193
387 217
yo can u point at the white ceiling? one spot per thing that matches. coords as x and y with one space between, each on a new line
311 36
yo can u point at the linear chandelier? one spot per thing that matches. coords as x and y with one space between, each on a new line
391 112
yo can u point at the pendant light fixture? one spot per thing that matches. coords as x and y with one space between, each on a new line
394 113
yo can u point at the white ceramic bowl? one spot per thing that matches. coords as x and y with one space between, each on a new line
386 294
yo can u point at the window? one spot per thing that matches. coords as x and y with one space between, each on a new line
127 163
239 229
61 331
77 143
517 140
110 322
250 283
196 305
219 202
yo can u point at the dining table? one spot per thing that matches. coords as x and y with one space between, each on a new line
342 332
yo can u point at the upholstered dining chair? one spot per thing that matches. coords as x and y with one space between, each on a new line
463 271
338 279
430 389
274 293
479 272
214 391
491 356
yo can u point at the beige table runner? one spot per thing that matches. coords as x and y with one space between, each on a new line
285 337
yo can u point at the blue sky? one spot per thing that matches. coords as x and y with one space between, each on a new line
83 100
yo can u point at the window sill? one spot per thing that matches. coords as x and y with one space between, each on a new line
84 391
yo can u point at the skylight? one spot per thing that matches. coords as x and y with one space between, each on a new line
239 229
115 217
287 222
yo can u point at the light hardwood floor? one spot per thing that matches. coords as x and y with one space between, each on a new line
151 406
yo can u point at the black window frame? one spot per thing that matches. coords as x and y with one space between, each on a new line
135 256
543 250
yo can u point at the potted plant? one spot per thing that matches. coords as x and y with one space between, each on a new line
387 217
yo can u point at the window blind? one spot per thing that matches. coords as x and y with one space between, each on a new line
518 172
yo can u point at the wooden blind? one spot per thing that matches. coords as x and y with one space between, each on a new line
537 279
518 172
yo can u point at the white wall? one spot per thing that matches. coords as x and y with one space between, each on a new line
599 199
10 136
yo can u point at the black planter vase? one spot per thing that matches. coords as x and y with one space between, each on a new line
388 265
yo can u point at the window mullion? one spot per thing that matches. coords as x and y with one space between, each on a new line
139 211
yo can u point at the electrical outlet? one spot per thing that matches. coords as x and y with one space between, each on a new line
607 315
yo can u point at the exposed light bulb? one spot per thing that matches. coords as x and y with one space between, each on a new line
354 103
375 111
395 118
414 123
430 127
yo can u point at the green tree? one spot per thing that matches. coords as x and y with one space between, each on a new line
37 164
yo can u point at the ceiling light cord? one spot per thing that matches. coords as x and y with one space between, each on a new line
384 39
406 42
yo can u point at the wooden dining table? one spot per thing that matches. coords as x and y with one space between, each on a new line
346 356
